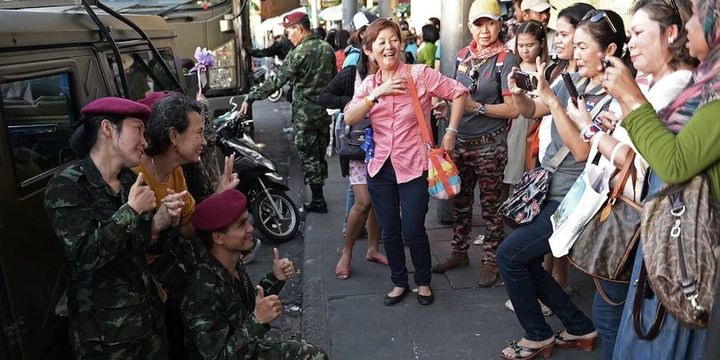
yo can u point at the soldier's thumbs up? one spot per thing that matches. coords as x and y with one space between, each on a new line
267 308
141 197
283 269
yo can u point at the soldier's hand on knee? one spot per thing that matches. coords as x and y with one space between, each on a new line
141 197
283 269
267 308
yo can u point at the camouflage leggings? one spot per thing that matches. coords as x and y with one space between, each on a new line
310 145
288 350
151 348
484 165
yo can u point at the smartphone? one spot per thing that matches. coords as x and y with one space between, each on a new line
570 85
523 80
605 63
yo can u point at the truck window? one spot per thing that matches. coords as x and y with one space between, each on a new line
38 113
143 73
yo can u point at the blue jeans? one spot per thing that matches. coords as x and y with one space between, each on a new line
519 260
349 202
400 210
607 316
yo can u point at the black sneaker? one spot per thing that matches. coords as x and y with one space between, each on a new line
316 207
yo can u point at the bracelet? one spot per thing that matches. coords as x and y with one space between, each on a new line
587 134
451 130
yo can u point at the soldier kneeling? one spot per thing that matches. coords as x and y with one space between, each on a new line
226 317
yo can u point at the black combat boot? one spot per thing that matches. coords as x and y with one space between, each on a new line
317 204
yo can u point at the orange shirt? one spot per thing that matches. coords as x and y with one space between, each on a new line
176 182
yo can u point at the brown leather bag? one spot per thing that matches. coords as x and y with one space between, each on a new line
606 247
680 234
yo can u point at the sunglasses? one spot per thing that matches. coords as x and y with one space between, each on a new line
474 75
597 15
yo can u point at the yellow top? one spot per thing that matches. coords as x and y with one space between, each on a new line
175 182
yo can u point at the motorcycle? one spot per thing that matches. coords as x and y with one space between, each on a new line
273 211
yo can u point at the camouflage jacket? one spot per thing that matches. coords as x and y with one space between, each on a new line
309 67
218 311
112 296
279 48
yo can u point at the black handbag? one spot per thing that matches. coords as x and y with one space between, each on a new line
349 139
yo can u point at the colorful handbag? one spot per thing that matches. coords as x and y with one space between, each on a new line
443 176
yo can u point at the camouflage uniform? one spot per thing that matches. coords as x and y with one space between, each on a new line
219 320
309 67
115 311
279 48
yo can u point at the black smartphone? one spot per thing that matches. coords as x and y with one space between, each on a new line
523 80
605 63
570 86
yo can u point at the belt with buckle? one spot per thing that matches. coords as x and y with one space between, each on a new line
483 139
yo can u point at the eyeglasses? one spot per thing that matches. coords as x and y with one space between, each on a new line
597 15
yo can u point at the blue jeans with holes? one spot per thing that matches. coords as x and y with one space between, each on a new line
400 210
519 260
607 316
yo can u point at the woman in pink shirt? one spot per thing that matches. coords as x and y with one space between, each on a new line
398 169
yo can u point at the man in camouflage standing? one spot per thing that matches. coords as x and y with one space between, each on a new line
309 67
224 315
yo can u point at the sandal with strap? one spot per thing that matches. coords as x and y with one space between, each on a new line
584 344
534 353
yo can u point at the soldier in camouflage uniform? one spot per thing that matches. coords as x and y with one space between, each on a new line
224 315
102 215
309 67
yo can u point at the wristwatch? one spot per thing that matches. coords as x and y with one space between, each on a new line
373 98
481 110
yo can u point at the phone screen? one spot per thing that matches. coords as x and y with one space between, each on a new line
572 90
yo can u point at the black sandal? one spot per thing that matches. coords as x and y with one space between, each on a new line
544 351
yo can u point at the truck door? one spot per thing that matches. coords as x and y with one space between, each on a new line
40 100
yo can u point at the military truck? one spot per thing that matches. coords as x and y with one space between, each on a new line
52 62
221 26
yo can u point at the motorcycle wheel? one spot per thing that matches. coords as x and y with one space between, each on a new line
276 227
276 96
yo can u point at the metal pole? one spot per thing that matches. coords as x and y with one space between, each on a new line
314 10
349 8
454 35
387 7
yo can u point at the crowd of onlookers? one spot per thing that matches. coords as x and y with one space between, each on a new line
601 93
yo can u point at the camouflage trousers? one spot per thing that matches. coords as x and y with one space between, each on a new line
311 145
287 350
483 165
150 348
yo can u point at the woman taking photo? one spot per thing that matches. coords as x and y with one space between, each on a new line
679 142
657 50
520 255
335 96
103 215
398 170
481 145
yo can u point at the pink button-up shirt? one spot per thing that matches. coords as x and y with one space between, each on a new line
395 127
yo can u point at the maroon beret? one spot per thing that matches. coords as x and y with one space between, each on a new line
294 18
117 106
153 97
219 210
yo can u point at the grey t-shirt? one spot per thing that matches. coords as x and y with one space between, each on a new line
488 92
569 169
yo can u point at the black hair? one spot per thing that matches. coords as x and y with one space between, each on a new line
319 31
602 32
341 39
169 112
430 33
575 12
666 15
538 31
436 22
330 38
85 135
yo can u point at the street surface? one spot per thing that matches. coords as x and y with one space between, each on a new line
347 318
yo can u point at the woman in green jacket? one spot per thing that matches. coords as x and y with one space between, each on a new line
679 142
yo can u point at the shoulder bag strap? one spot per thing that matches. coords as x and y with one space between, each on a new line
637 309
598 107
555 161
424 130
